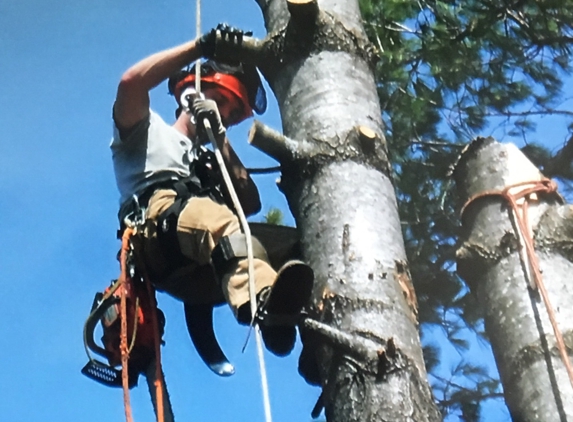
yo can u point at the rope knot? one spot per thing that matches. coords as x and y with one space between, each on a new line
527 189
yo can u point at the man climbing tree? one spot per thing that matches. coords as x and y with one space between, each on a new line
164 172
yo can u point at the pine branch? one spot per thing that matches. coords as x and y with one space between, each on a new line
560 164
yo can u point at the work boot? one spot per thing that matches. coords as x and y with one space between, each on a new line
278 339
280 306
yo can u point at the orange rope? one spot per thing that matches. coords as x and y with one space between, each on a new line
157 343
522 220
125 244
123 344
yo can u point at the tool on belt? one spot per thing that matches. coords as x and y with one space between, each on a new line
106 312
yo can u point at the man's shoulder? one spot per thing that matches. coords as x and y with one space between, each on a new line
155 117
139 130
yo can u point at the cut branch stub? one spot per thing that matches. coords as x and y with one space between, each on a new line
276 145
303 12
367 138
365 349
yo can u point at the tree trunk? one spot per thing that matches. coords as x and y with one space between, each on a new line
361 341
491 260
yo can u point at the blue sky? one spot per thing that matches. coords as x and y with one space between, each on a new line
60 62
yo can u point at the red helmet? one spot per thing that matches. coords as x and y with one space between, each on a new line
241 80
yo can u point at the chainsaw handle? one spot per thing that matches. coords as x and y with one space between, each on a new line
91 322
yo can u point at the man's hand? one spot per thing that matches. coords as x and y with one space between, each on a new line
207 109
229 34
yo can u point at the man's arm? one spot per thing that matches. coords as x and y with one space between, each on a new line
132 99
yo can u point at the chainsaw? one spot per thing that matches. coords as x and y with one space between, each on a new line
106 311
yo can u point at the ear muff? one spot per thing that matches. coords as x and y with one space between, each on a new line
187 92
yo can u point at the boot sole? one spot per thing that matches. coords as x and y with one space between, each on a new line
292 290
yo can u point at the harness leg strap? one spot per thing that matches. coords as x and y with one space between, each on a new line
233 248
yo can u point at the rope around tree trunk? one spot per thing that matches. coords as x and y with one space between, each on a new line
518 197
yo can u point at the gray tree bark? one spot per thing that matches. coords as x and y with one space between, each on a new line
361 340
535 381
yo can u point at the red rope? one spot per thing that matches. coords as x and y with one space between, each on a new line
125 245
157 343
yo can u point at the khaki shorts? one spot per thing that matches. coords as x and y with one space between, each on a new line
201 224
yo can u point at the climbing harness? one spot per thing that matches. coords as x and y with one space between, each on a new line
518 197
202 182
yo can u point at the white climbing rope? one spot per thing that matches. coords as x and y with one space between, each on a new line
246 231
198 32
252 295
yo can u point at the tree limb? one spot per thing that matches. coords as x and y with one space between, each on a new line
276 145
250 50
